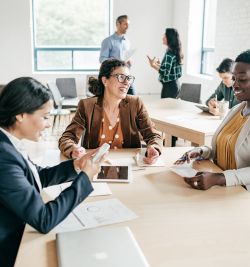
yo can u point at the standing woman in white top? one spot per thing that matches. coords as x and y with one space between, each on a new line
231 141
25 106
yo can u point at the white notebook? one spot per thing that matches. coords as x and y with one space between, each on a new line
100 247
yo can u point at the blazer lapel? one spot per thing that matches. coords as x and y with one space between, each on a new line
125 122
96 122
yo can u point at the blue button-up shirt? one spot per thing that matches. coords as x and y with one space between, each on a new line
114 46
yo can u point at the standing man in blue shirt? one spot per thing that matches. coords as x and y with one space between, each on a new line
117 45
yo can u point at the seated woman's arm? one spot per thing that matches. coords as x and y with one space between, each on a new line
237 177
145 126
68 143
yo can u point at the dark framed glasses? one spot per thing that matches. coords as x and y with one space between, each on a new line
121 78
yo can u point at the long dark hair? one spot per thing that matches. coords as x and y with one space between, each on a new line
174 43
96 86
22 95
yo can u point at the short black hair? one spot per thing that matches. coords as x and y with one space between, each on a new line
22 95
225 66
244 57
121 18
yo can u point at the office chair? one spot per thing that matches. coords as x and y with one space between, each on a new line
63 107
60 101
88 93
67 87
190 92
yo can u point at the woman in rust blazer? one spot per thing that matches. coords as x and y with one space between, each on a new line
111 116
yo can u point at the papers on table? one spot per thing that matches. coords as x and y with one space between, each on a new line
139 160
94 214
100 189
184 170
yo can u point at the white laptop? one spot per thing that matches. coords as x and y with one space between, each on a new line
99 247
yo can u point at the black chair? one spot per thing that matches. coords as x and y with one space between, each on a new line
190 92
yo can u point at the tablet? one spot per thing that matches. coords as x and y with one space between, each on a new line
203 108
115 174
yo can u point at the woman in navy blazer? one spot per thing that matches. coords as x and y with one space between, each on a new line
25 106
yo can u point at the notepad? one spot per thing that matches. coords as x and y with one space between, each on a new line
184 170
100 247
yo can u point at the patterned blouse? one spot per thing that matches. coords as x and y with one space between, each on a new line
170 69
111 135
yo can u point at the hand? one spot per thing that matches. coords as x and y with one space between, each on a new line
152 155
195 153
77 151
85 164
154 62
205 180
129 63
213 107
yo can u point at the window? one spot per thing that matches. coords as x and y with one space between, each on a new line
67 35
208 37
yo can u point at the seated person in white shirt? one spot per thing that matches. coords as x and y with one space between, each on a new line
25 106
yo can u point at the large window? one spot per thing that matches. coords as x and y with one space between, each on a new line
67 34
208 37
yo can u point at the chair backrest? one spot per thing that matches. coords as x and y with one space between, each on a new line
55 92
190 92
67 87
88 93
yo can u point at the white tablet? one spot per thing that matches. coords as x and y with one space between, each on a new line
115 174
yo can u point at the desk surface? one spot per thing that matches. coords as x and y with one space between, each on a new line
177 226
183 119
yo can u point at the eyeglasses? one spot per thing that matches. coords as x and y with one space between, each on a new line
121 78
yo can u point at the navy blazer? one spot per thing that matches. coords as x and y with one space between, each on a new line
20 200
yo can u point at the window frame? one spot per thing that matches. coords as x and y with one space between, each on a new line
205 50
37 49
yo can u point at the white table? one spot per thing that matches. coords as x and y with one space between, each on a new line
177 226
180 118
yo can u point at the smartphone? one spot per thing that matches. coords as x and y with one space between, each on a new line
103 149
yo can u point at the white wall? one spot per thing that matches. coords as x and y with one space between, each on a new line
148 22
232 36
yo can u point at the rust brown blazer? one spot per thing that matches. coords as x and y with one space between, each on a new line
88 119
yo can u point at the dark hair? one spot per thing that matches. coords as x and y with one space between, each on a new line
225 66
174 43
22 95
121 18
96 86
244 57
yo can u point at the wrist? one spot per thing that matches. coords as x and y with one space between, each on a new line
221 179
76 166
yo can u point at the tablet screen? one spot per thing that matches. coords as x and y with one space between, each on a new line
113 174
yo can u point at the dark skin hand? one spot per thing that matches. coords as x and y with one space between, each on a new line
205 180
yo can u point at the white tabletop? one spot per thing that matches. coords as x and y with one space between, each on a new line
177 225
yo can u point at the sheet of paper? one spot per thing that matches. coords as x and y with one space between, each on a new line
120 162
51 158
100 189
128 54
139 160
94 214
184 170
